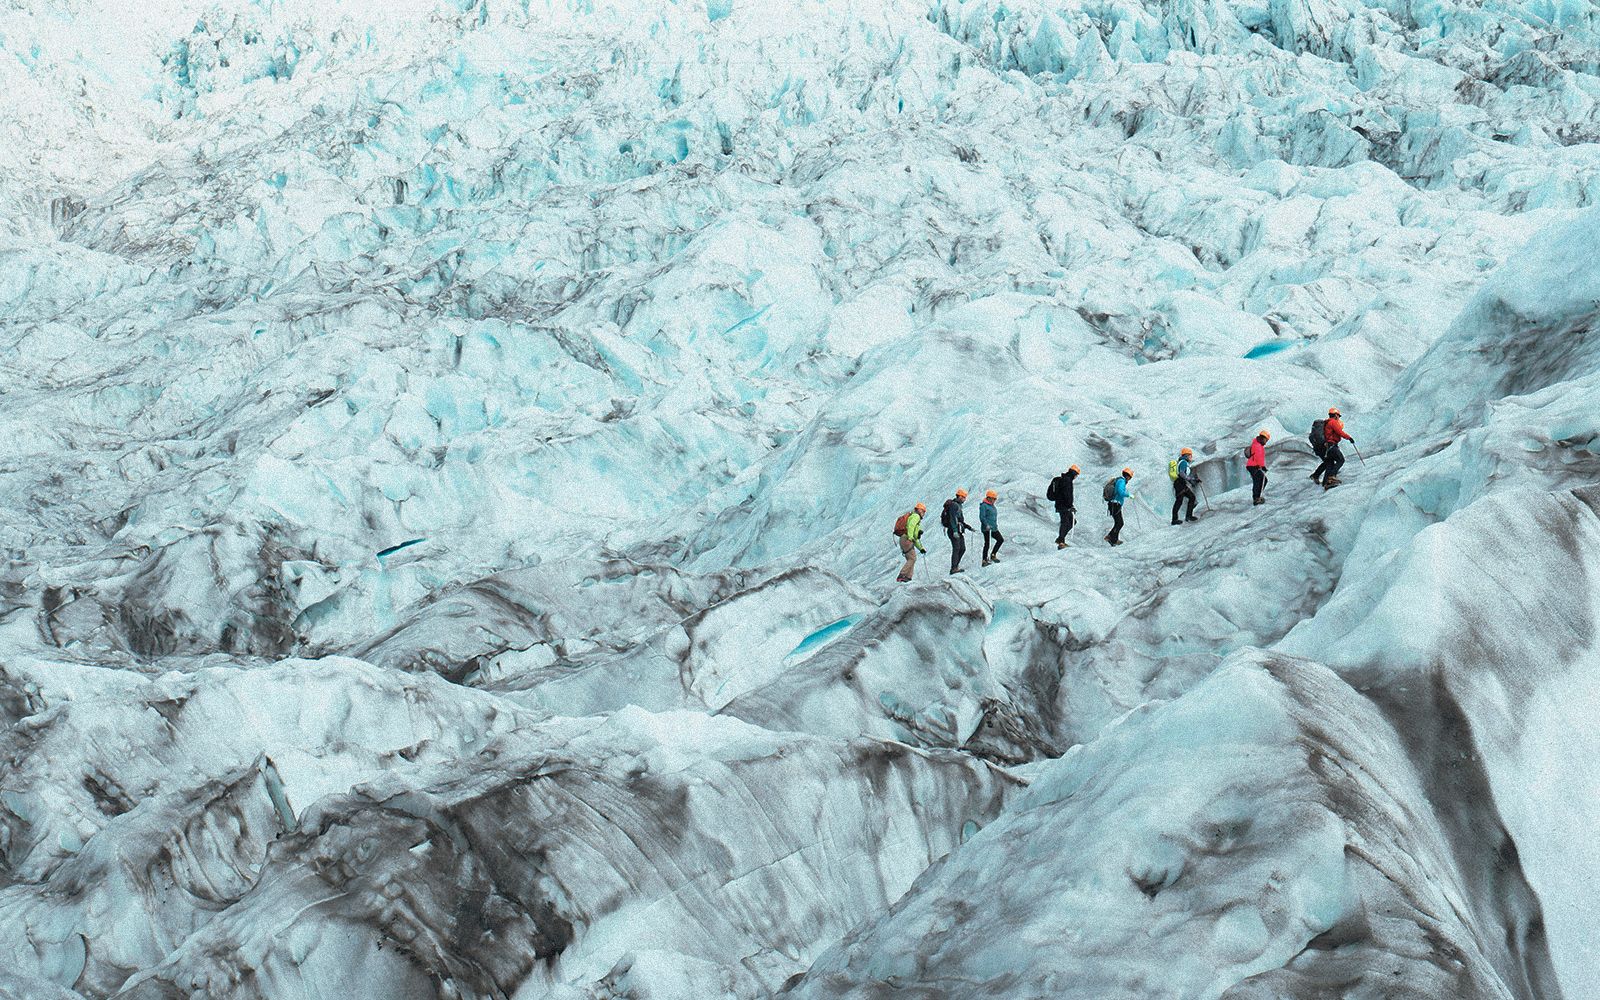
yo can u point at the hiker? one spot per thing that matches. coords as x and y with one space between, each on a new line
1319 444
954 526
1060 494
909 530
989 525
1333 460
1116 494
1183 483
1256 463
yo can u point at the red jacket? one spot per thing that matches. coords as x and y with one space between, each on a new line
1258 455
1333 431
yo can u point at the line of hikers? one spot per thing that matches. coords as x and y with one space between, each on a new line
1325 439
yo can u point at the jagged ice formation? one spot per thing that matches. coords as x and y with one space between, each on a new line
450 448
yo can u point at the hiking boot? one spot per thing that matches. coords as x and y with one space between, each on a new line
1061 545
1116 541
987 561
1314 478
1175 520
1191 518
994 559
955 571
1258 501
902 579
1329 482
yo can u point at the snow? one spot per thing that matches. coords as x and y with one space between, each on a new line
451 447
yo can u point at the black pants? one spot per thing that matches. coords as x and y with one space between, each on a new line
1182 491
958 548
1065 514
1258 482
992 534
1334 461
1116 522
1322 462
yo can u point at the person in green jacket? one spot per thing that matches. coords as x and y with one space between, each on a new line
911 542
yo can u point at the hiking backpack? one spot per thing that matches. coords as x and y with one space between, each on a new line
1172 470
1110 492
1319 436
900 525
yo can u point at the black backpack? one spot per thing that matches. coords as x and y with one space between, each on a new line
944 516
1110 492
1319 437
1050 493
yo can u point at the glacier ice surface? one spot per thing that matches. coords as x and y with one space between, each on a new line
450 450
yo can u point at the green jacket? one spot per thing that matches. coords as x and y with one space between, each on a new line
914 530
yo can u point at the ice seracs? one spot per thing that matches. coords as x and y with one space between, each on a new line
450 451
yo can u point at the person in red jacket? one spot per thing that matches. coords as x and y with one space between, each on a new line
1256 462
1333 461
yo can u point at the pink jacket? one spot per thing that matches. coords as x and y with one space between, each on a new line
1258 455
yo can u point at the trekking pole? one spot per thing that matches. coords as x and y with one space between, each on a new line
1358 453
1206 497
1146 505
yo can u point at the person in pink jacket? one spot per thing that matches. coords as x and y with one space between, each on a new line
1256 462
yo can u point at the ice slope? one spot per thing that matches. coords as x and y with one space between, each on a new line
701 823
1510 656
1286 857
1530 327
450 450
1359 829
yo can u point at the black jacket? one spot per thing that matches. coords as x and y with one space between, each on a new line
1061 490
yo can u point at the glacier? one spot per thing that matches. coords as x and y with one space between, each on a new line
450 450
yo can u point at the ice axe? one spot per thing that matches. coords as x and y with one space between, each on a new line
1204 496
1358 453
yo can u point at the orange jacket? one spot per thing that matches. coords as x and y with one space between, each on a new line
1333 430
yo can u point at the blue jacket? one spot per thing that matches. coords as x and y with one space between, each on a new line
1121 490
986 517
1186 472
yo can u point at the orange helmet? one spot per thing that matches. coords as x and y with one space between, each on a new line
961 494
1073 468
1264 433
1187 451
1128 473
922 508
990 495
1333 411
